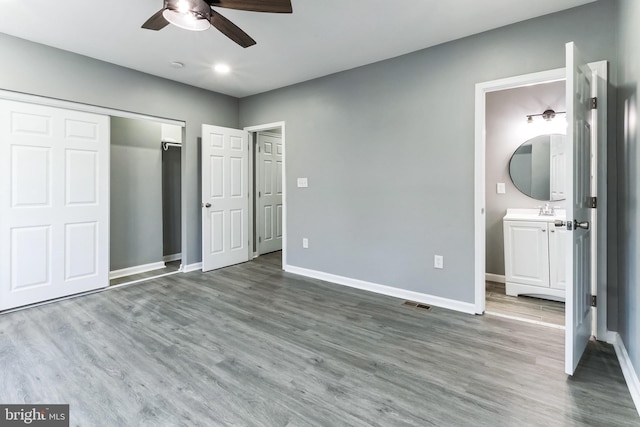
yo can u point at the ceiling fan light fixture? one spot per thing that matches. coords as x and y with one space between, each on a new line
187 14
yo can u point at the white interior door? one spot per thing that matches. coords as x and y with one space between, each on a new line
54 203
578 298
225 197
270 152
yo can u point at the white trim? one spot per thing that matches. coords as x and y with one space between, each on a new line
78 106
196 266
267 126
522 319
450 304
479 165
498 278
172 257
144 279
516 289
258 128
137 269
630 374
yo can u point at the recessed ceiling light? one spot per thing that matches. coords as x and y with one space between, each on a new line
222 68
176 64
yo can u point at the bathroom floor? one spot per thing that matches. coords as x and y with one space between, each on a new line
528 308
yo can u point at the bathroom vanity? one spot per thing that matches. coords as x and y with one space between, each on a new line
534 253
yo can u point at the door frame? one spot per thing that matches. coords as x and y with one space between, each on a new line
253 131
481 90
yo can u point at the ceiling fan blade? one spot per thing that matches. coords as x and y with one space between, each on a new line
272 6
231 30
156 22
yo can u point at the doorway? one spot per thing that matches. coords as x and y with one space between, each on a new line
523 170
230 199
145 200
599 226
267 196
268 180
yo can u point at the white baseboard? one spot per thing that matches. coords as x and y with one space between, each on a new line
173 257
192 267
630 374
384 290
498 278
136 270
611 337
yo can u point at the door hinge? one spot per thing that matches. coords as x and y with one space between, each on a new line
259 193
592 202
594 300
594 103
259 239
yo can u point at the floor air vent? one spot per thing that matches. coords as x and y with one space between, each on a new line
417 305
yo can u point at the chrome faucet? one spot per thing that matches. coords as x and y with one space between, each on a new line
547 210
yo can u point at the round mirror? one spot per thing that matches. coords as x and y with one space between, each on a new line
537 167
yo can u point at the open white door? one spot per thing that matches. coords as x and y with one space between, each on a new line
225 197
579 218
54 203
269 212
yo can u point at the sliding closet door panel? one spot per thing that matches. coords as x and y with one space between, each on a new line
54 203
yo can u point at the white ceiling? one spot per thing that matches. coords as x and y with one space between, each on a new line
319 38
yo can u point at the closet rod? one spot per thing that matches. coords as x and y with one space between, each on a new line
167 144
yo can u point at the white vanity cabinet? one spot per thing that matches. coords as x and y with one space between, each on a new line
534 250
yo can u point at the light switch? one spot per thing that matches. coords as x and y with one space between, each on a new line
303 183
500 188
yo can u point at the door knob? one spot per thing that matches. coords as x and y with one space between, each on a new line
206 205
583 224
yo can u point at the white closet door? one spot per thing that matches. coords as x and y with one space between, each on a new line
54 203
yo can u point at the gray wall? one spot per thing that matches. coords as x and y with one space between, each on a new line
136 193
628 156
37 69
506 127
392 184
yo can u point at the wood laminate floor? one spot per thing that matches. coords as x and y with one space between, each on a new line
250 345
524 307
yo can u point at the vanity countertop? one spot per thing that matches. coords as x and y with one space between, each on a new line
534 215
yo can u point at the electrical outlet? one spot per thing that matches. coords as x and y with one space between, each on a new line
303 182
305 243
438 261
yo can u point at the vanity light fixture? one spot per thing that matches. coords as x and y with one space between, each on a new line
547 114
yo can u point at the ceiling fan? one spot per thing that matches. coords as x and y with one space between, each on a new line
198 15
